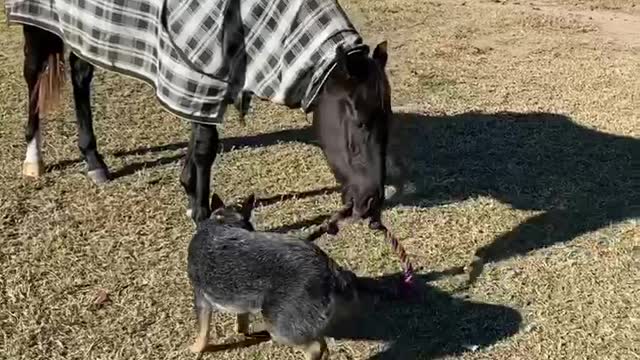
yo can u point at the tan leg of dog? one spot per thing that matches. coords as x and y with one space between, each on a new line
258 329
242 324
204 320
259 326
317 350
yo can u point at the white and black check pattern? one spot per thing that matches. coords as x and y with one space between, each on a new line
200 54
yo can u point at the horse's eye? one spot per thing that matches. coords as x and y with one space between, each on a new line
360 124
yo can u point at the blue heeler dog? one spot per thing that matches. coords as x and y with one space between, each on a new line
297 288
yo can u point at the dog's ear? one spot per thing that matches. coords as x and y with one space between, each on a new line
216 202
247 206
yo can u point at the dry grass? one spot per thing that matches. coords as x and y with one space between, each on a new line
550 191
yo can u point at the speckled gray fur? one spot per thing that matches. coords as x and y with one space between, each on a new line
293 283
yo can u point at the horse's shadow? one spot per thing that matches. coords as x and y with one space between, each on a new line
581 179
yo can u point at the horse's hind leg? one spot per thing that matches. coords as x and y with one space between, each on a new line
41 71
196 174
81 76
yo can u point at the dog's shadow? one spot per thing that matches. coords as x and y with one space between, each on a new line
427 324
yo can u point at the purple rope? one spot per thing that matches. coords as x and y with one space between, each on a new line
399 250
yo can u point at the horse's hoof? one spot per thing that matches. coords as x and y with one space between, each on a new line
33 169
98 176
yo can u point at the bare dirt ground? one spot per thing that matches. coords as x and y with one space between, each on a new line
517 139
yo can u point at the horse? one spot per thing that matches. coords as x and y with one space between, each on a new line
338 80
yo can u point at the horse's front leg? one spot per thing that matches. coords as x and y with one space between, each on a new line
81 76
196 174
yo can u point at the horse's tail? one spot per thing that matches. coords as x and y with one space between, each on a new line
50 83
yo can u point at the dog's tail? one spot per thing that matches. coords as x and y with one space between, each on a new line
50 84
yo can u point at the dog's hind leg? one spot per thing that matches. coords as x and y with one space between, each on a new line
317 350
258 329
242 324
203 314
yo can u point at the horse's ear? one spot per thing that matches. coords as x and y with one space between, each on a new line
216 202
352 66
342 62
380 53
247 206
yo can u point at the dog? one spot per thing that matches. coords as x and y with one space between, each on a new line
297 288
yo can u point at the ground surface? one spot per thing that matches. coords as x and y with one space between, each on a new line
518 133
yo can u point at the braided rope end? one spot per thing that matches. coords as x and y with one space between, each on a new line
408 277
407 284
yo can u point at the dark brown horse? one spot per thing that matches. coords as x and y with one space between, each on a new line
351 115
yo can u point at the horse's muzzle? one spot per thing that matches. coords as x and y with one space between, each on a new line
367 207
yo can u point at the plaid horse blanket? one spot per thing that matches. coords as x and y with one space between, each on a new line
201 55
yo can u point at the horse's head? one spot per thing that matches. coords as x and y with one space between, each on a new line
351 118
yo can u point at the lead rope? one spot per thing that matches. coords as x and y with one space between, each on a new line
407 267
330 226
